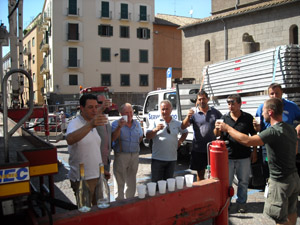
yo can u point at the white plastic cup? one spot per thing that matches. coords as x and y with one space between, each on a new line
257 119
179 182
171 184
162 186
189 178
151 188
141 189
106 118
110 101
219 120
125 118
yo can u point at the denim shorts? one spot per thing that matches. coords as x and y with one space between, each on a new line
282 198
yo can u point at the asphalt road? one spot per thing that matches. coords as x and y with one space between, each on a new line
255 201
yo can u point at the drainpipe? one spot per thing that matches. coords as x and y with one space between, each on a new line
225 40
236 4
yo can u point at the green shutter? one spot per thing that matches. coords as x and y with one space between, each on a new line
143 12
105 9
124 11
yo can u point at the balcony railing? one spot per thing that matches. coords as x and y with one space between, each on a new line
46 16
143 19
44 69
44 46
73 36
27 51
73 12
73 63
103 15
125 17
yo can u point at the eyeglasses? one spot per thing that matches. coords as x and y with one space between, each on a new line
100 102
168 129
230 102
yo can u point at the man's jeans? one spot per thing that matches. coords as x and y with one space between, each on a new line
240 167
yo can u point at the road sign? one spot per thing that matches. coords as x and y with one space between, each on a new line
169 77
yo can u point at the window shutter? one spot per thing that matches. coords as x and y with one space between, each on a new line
110 30
139 33
99 30
148 33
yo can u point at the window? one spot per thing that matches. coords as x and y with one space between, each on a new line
73 62
143 13
124 32
143 80
73 31
105 9
124 11
105 54
143 56
171 96
105 30
105 80
207 51
33 59
72 10
33 42
151 103
124 55
143 33
125 80
294 39
33 77
73 79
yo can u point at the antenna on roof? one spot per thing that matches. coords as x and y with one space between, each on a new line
174 7
191 12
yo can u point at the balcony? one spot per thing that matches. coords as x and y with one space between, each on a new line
44 46
44 69
27 51
106 15
125 16
73 12
73 63
144 18
73 36
46 16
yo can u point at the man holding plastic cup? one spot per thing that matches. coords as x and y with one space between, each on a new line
164 132
203 119
126 136
105 134
239 156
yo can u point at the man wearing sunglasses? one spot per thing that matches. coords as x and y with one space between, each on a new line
164 133
239 156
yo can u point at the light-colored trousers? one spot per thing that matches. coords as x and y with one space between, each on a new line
125 169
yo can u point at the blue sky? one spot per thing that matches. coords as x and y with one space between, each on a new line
200 9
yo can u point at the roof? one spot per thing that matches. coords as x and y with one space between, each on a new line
171 20
237 12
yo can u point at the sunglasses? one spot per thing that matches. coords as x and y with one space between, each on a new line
231 101
168 129
100 102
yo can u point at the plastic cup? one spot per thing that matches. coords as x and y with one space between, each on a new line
171 184
125 118
141 189
110 101
162 186
106 117
151 188
257 118
219 120
189 178
179 182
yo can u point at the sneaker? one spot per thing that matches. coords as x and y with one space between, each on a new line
241 208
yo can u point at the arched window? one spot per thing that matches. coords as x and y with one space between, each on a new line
207 51
294 39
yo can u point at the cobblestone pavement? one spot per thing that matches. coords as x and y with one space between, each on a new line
255 202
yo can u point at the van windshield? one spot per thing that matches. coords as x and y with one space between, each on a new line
171 96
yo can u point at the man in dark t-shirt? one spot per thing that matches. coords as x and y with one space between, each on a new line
281 143
239 156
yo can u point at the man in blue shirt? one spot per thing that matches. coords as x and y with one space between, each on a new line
291 112
127 136
203 119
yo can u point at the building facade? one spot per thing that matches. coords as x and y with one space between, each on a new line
237 31
32 61
98 43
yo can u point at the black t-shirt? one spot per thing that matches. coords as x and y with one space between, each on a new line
244 124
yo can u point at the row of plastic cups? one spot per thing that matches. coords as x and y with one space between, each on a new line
162 185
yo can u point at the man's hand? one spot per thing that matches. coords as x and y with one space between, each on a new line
298 131
221 126
256 126
190 113
254 156
99 120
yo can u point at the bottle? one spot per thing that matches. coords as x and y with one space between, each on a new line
102 190
83 194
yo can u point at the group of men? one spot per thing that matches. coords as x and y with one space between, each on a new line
90 132
91 137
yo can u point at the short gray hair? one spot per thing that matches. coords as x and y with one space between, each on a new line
125 105
166 102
